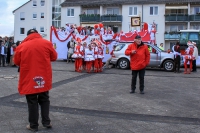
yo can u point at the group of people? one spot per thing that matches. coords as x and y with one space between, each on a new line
87 30
190 57
87 56
7 50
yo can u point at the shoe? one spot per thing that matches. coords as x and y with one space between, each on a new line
47 126
31 129
141 92
174 71
132 91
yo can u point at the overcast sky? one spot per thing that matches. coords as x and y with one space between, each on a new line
7 17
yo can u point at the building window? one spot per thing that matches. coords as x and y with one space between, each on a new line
154 10
113 11
22 31
196 10
34 3
34 15
177 11
176 27
42 2
22 15
42 15
56 2
70 12
132 11
41 29
92 11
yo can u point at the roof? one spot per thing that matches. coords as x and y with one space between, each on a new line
120 2
21 6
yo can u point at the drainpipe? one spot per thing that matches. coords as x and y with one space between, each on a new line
142 13
188 26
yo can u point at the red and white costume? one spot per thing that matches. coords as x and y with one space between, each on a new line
78 55
96 64
100 58
189 57
89 58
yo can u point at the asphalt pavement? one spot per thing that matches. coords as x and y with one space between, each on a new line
101 102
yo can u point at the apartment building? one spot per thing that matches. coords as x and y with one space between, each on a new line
169 16
37 14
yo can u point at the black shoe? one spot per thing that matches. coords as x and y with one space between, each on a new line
174 71
32 129
47 126
132 91
141 92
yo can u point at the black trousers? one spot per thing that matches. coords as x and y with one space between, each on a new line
177 60
33 101
141 78
2 59
194 66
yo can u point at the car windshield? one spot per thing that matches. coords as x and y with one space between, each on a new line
119 47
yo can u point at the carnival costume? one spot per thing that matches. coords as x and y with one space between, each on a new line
78 55
189 57
89 58
100 57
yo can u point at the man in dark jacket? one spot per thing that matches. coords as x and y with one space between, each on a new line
3 52
177 57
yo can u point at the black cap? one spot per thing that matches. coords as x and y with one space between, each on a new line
32 31
137 37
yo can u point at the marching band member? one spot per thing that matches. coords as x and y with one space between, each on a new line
100 57
89 58
78 54
189 57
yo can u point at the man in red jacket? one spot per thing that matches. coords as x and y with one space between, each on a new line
139 59
34 56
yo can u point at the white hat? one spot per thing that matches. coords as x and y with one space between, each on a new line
194 43
66 23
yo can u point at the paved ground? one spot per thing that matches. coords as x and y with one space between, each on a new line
101 103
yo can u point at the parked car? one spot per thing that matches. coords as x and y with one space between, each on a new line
158 57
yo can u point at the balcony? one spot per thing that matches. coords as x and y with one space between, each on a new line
176 17
111 18
97 18
170 36
195 17
89 18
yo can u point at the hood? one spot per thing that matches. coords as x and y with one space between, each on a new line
31 37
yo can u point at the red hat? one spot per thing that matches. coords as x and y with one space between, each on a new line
96 26
78 40
101 25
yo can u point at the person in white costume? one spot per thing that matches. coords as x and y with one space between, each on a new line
89 58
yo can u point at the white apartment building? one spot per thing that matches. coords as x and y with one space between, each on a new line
37 14
170 16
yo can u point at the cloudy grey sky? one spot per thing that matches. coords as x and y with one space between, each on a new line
7 17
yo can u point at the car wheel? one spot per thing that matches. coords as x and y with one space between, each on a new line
168 65
124 63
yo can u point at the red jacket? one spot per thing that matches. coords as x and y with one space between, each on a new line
34 56
140 59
